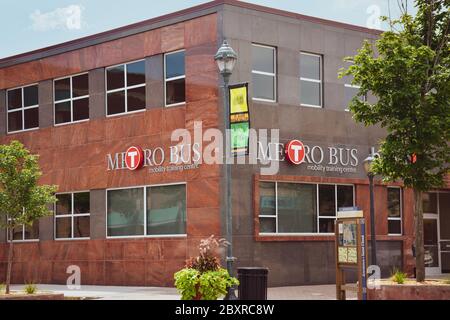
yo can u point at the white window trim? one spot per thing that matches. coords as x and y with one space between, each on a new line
347 85
269 74
145 187
125 89
22 109
72 216
173 79
313 80
397 218
23 240
71 100
318 217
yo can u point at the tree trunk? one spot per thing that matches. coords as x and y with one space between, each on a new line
418 224
10 260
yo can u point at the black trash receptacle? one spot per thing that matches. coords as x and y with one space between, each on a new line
253 283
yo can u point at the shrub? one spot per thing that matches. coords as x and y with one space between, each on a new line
2 288
203 277
209 285
399 276
30 288
447 280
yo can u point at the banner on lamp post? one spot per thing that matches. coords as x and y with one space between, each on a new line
239 119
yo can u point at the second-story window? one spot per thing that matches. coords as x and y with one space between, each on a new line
72 99
125 88
394 210
264 72
72 215
351 91
175 78
310 80
23 108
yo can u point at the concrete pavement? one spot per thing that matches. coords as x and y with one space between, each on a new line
321 292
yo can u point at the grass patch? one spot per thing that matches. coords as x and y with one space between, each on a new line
399 277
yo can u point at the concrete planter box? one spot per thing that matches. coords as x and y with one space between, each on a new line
430 290
37 296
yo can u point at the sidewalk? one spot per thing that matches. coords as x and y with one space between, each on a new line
322 292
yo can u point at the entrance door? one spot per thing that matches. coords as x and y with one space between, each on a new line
431 233
444 230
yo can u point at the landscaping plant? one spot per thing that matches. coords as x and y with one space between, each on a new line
399 277
203 277
30 288
22 200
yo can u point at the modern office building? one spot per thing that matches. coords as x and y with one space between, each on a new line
82 104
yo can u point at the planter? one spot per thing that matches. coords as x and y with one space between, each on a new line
36 296
411 290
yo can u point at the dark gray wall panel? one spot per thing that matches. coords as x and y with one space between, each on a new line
97 89
154 71
45 104
98 214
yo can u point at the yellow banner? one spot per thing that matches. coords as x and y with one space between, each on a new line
238 99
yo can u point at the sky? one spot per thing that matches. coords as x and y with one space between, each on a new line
30 24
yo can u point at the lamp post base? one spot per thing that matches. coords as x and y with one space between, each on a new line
231 295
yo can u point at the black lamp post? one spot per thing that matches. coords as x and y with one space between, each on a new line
368 168
226 59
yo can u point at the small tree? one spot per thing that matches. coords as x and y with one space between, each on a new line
22 200
410 78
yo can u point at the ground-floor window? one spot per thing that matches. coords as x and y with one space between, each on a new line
72 216
26 233
394 195
301 207
147 211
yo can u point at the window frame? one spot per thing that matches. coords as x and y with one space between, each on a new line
263 73
22 109
125 88
71 99
352 86
145 235
173 79
72 216
401 213
318 217
23 240
313 80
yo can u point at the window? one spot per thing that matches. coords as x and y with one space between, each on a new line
264 72
72 216
71 99
174 78
301 208
147 211
394 210
429 200
23 108
26 233
310 80
125 88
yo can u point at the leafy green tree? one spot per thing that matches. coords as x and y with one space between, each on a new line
407 70
22 200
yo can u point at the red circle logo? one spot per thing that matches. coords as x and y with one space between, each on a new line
295 151
134 158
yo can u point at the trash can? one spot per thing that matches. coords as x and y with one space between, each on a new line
253 283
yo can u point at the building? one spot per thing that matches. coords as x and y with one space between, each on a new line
80 105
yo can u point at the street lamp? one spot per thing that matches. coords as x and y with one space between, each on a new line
368 168
226 59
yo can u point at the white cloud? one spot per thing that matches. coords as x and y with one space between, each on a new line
69 18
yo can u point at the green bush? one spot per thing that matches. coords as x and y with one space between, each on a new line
30 288
399 277
203 277
447 280
2 288
209 285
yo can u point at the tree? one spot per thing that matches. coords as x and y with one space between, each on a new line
22 200
407 70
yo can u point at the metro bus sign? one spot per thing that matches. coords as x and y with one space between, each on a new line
295 152
134 158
